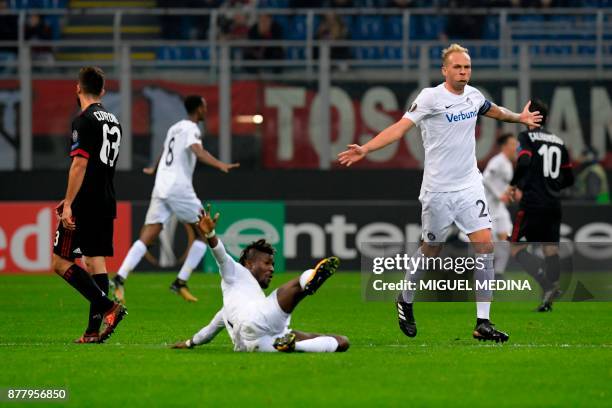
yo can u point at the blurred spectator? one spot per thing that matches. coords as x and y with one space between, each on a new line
333 28
177 27
461 25
265 29
591 180
8 29
37 29
234 27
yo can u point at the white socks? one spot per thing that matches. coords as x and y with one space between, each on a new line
483 309
305 276
132 258
483 297
502 254
322 344
196 252
408 295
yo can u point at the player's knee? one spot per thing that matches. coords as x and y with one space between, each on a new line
343 343
484 247
59 265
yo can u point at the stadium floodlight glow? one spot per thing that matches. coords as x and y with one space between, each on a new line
256 119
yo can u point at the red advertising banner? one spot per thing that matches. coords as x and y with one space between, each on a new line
290 134
27 230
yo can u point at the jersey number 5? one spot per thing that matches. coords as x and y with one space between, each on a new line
110 150
551 158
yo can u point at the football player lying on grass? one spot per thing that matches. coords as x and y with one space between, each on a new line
254 321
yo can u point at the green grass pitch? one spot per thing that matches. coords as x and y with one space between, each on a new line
561 358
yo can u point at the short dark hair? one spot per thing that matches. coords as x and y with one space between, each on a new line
192 103
503 139
254 247
538 105
91 80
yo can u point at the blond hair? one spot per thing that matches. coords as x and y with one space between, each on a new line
452 48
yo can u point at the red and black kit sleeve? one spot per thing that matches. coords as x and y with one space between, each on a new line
523 161
567 169
81 138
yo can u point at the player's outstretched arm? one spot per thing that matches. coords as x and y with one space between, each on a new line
531 119
151 170
205 157
354 153
206 334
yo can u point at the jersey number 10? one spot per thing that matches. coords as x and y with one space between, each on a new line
110 150
551 158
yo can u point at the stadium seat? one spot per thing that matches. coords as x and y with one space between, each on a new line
491 29
295 53
367 28
366 53
295 28
201 53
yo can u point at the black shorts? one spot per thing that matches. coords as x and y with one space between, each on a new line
537 225
92 237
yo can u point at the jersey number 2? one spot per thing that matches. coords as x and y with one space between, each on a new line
110 150
551 158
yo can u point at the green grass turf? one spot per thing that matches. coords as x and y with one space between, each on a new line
561 358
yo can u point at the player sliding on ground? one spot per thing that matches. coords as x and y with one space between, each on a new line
452 190
254 321
173 193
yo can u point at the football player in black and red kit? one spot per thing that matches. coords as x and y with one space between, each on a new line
543 169
88 210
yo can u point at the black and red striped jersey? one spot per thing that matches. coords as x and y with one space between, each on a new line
96 136
543 169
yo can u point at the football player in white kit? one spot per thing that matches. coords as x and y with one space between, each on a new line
452 190
496 178
173 193
254 321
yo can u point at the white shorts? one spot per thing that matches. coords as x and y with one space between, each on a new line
266 322
466 208
186 208
502 223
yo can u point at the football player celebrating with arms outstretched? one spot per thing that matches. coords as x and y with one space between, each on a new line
452 190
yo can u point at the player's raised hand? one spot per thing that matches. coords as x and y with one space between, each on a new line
67 218
206 224
226 167
353 154
149 171
528 118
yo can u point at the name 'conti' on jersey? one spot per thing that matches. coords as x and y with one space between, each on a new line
96 136
177 162
447 122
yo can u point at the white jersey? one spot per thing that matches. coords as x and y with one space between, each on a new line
447 123
497 176
239 286
177 162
